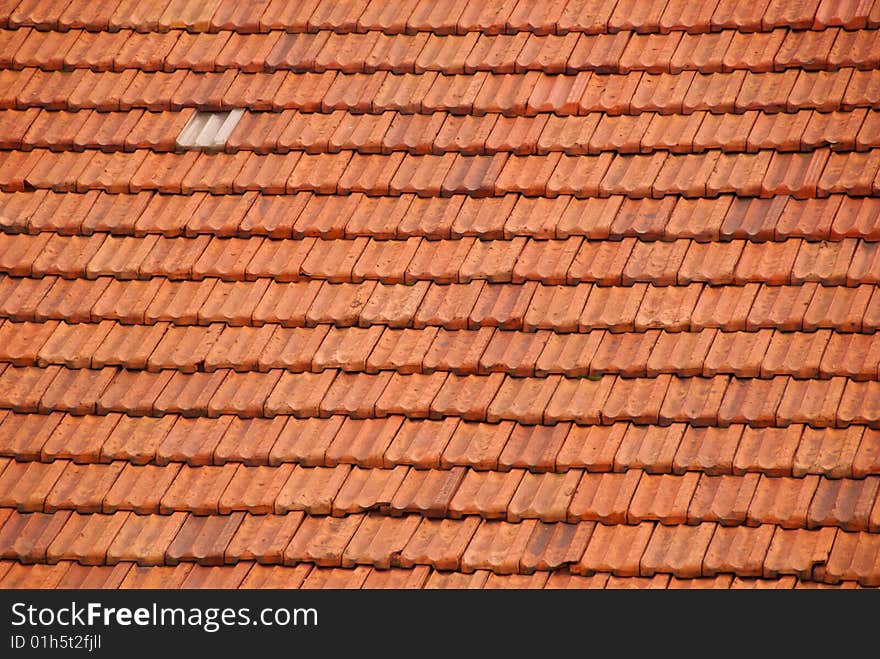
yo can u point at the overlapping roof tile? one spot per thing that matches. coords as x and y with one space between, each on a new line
574 294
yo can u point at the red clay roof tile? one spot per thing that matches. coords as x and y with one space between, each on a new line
421 443
604 497
466 396
722 499
543 496
677 549
615 549
477 445
135 439
851 355
740 550
363 441
854 556
139 488
427 492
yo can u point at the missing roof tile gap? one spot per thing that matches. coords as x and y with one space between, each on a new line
208 131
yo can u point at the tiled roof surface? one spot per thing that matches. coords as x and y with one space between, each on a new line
510 294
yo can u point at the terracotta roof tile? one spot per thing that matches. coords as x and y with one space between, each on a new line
85 538
139 488
649 53
28 483
723 499
658 582
427 492
769 450
615 549
543 496
854 556
780 307
845 503
27 536
579 400
534 447
489 18
23 341
849 15
362 441
379 540
262 538
43 88
721 582
82 487
496 53
776 401
821 90
614 308
190 440
203 539
622 353
136 438
850 355
411 395
276 576
312 489
755 52
468 397
322 540
740 550
478 445
782 501
526 546
644 17
694 400
513 352
609 93
677 549
522 400
556 307
621 133
704 51
858 404
421 443
682 353
798 551
539 19
304 441
584 15
144 538
752 402
604 497
648 447
368 489
189 394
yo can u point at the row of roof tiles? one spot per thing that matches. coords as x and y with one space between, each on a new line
586 548
480 93
458 17
763 174
474 305
441 132
449 443
764 353
574 260
249 574
612 498
493 133
305 214
718 400
727 50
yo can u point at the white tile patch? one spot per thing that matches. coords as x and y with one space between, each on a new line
209 130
